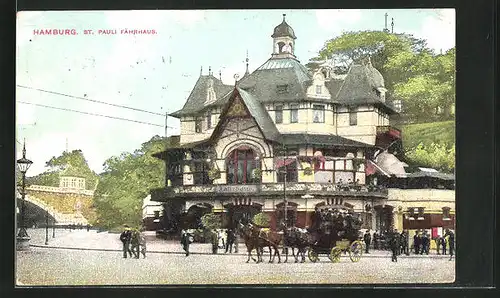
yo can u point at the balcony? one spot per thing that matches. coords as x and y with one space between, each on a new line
390 130
265 189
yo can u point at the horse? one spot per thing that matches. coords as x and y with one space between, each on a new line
295 237
250 242
270 239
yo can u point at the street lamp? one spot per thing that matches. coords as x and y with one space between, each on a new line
47 228
22 237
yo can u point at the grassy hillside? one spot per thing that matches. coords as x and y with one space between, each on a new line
427 133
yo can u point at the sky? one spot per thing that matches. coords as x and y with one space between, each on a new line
156 72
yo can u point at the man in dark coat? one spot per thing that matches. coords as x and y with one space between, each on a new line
368 239
416 243
125 238
442 243
425 243
394 243
405 242
230 237
185 241
451 241
376 240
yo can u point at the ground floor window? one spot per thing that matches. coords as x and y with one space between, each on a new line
240 166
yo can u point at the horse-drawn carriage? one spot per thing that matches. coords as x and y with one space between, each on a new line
335 230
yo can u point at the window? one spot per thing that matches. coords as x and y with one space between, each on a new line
446 213
209 120
290 170
318 113
294 113
197 125
318 89
278 114
157 214
353 117
281 89
240 166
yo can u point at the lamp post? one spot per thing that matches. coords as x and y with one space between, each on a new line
53 229
47 227
22 237
306 197
284 186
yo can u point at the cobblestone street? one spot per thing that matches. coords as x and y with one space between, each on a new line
96 259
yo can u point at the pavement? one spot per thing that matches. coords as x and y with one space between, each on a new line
90 258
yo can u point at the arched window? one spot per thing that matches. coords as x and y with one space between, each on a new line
240 166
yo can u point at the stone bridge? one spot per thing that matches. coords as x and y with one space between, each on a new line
63 206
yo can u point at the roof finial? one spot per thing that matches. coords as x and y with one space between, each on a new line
369 61
201 71
392 26
24 148
247 71
220 75
284 15
210 70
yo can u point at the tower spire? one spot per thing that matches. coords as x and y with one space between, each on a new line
247 71
392 26
385 28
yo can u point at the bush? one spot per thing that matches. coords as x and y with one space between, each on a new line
262 219
211 221
435 156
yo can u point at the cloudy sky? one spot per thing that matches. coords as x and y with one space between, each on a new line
156 72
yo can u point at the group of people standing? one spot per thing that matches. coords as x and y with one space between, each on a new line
217 241
134 242
398 243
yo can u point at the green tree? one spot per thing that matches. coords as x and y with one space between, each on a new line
424 81
126 181
68 163
211 221
435 155
262 219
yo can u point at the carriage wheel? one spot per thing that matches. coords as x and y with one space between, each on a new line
313 255
355 251
335 254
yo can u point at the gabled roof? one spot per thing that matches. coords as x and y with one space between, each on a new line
263 82
198 96
316 139
255 109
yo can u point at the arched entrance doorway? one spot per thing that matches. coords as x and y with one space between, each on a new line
241 164
291 214
192 218
384 220
240 210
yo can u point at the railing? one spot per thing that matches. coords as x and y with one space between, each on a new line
60 189
268 189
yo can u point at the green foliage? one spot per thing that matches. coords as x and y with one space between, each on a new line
70 164
308 171
262 219
428 133
424 81
126 181
435 156
211 221
214 173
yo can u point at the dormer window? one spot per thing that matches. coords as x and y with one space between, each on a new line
294 113
282 89
318 89
278 114
197 125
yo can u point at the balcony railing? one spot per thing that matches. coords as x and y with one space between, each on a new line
389 129
266 189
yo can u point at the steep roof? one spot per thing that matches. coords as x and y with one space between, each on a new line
198 96
283 30
264 81
360 85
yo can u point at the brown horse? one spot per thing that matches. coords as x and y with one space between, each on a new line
251 242
265 237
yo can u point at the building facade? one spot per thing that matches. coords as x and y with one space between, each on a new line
282 138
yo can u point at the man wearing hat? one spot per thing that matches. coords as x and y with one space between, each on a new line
125 238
